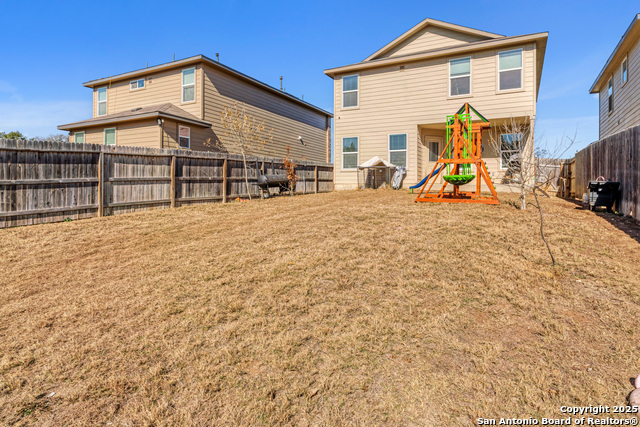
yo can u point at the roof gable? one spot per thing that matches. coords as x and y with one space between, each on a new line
431 34
627 41
167 110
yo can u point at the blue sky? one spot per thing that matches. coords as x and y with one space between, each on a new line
52 47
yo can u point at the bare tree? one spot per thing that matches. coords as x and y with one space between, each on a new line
58 137
512 140
533 170
290 167
548 161
243 132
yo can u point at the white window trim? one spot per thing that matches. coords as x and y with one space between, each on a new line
136 82
183 86
75 136
357 153
626 59
106 105
349 91
502 168
406 150
104 136
470 72
521 68
188 147
613 88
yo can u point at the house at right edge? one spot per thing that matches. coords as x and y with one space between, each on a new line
394 103
618 84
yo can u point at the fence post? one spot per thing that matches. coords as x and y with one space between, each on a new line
173 181
316 178
224 181
333 179
101 184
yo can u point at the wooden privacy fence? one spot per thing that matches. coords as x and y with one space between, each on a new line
616 158
43 181
567 181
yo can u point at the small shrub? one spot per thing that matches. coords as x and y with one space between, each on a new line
290 167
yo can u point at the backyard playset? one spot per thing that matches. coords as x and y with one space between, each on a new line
460 163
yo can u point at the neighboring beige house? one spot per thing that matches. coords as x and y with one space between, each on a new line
394 103
618 84
178 105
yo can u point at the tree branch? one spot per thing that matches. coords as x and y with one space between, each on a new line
553 259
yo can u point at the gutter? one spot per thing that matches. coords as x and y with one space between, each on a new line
153 115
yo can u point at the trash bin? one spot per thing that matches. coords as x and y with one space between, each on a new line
603 193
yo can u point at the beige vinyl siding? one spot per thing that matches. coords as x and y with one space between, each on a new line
431 38
96 135
626 99
424 165
170 134
398 101
199 136
160 88
143 133
288 119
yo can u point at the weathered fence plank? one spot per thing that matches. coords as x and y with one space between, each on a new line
100 185
616 159
43 181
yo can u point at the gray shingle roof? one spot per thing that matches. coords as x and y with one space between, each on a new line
167 110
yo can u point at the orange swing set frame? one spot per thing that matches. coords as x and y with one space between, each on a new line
464 146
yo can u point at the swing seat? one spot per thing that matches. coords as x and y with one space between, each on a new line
458 179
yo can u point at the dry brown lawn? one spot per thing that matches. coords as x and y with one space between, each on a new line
350 308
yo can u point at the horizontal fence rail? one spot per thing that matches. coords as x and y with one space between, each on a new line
44 181
616 158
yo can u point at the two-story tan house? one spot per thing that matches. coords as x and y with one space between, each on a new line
394 103
618 84
179 104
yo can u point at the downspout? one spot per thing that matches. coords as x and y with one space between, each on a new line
161 133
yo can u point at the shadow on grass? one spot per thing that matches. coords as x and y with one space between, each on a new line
624 223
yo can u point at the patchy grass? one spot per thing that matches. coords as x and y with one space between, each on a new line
343 308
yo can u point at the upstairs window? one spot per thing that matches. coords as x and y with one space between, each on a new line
189 85
350 153
625 70
110 136
398 149
136 84
510 69
460 76
78 137
184 136
350 91
610 94
102 101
